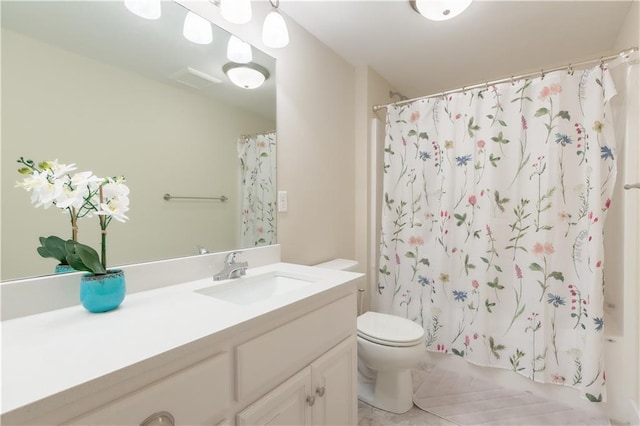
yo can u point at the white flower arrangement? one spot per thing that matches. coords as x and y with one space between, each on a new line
80 195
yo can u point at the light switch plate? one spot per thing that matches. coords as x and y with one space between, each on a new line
283 203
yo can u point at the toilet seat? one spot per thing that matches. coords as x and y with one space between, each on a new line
389 330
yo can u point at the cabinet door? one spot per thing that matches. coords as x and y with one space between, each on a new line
285 405
334 385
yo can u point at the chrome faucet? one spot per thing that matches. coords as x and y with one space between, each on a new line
232 268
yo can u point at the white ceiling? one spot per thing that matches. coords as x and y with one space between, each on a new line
488 41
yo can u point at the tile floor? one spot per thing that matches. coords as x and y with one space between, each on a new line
370 416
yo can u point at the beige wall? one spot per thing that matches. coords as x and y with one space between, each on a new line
161 138
625 247
371 89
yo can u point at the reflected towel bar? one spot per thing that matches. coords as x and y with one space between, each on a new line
168 197
632 186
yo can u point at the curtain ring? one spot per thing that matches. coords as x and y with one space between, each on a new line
513 83
464 90
570 70
541 74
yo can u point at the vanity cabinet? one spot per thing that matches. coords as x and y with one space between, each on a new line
321 394
294 364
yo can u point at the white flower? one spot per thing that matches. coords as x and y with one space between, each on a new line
116 208
57 170
48 193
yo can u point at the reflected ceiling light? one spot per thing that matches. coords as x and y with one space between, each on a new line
247 76
440 10
239 51
274 30
148 9
236 11
197 29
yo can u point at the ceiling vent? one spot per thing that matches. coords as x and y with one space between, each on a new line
196 79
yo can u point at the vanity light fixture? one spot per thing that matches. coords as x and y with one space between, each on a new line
247 76
197 29
236 11
239 51
274 30
147 9
440 10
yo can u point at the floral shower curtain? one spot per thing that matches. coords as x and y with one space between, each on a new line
257 155
492 223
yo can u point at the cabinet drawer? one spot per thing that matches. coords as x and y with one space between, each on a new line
197 395
271 358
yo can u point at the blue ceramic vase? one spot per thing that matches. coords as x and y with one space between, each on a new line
63 269
102 293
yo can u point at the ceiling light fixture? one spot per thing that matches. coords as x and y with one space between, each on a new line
236 11
247 76
239 51
440 10
274 30
197 29
147 9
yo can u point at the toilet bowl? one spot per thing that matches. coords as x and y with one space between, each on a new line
388 347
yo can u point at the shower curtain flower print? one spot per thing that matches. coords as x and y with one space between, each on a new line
492 224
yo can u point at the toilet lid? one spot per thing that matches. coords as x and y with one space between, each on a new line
389 330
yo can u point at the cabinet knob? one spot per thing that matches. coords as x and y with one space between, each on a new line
160 418
320 391
311 400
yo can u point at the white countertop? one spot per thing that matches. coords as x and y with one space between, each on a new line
51 352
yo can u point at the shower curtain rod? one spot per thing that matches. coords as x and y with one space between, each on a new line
570 68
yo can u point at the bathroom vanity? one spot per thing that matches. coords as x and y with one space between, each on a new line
194 353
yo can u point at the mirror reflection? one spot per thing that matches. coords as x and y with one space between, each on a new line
92 84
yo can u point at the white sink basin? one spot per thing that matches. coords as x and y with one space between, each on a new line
248 290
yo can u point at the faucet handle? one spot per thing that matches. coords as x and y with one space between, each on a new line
231 257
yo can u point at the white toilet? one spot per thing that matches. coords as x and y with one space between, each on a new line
388 347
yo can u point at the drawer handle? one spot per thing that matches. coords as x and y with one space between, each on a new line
311 400
158 419
320 391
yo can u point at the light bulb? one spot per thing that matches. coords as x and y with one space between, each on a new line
148 9
239 51
197 29
274 30
441 10
236 11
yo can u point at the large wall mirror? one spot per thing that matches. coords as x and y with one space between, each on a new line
92 84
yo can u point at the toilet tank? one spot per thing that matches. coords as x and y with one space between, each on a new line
340 264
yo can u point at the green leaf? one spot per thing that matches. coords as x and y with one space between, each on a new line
535 267
565 115
53 247
485 260
410 255
489 305
411 133
424 261
461 219
423 135
594 398
264 154
457 352
90 259
502 123
498 268
557 275
541 112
